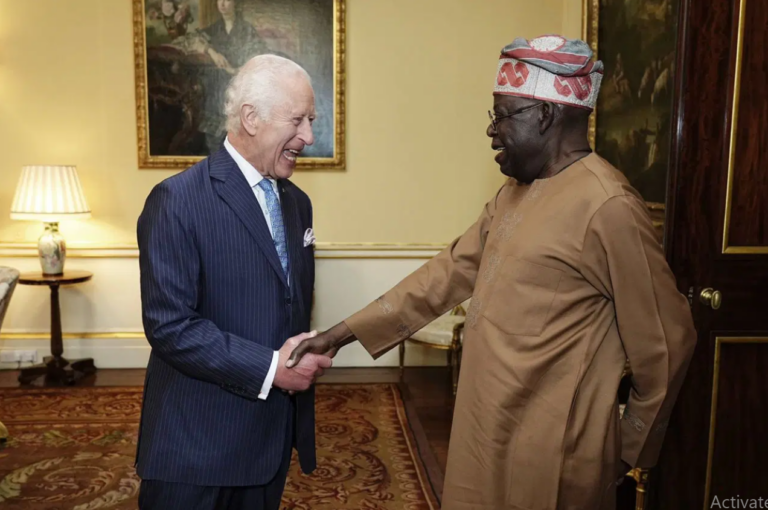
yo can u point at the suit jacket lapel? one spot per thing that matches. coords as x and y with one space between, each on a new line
232 187
294 237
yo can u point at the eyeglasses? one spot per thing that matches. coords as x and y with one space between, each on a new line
496 118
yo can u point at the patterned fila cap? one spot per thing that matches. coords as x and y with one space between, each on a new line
550 68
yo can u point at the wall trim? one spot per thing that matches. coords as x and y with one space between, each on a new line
131 350
323 250
106 326
37 335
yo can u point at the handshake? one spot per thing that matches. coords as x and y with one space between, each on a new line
302 358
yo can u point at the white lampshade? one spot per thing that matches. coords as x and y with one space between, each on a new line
50 194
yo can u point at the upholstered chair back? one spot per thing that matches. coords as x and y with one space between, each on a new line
8 279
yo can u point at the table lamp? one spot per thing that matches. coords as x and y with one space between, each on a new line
50 194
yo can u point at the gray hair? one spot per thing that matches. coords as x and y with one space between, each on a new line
259 83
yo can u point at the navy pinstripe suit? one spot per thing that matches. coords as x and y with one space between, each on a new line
216 304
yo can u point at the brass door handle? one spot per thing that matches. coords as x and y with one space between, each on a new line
711 297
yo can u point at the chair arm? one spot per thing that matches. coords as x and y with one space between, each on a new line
458 329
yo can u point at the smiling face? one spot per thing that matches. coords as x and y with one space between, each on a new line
168 7
278 141
226 7
517 139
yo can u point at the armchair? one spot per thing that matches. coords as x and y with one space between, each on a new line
444 333
8 278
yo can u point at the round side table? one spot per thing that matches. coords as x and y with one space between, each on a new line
56 369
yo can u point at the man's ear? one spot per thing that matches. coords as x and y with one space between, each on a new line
249 119
547 114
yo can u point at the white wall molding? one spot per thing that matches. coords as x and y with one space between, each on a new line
101 319
323 250
134 352
123 352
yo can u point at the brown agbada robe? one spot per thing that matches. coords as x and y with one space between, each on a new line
567 280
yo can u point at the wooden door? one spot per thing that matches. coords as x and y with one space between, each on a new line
717 238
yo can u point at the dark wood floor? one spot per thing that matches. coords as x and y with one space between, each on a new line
426 391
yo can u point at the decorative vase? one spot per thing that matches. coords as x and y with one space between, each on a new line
52 250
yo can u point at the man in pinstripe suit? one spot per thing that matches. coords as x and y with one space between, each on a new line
226 278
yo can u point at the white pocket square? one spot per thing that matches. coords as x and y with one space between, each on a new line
309 238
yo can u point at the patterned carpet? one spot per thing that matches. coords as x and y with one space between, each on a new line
74 449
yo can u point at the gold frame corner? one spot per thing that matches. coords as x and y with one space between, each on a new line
148 162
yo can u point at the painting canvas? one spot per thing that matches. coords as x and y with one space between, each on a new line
187 51
636 40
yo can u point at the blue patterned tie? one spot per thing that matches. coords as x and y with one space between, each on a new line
276 218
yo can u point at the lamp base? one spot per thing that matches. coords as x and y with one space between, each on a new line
52 250
58 371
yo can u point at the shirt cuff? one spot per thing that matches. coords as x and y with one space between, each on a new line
270 377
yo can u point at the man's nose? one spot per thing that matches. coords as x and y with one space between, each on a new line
491 132
305 132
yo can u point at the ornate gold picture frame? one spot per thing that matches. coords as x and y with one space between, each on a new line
631 125
186 51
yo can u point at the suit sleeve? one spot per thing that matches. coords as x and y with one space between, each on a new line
170 267
445 281
623 257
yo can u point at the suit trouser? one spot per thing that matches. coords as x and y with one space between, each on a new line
160 495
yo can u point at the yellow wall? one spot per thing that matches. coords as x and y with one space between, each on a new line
419 78
572 18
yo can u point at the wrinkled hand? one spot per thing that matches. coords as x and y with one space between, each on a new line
303 374
322 344
325 344
220 61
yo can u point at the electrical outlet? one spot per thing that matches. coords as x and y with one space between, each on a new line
17 356
29 356
8 357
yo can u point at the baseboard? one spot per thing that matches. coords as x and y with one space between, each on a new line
102 318
121 352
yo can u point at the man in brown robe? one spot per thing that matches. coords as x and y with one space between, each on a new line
568 281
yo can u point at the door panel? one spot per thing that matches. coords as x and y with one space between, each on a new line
737 419
747 229
717 238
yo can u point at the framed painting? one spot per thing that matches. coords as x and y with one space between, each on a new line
187 51
631 125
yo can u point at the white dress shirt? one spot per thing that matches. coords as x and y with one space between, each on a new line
254 178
